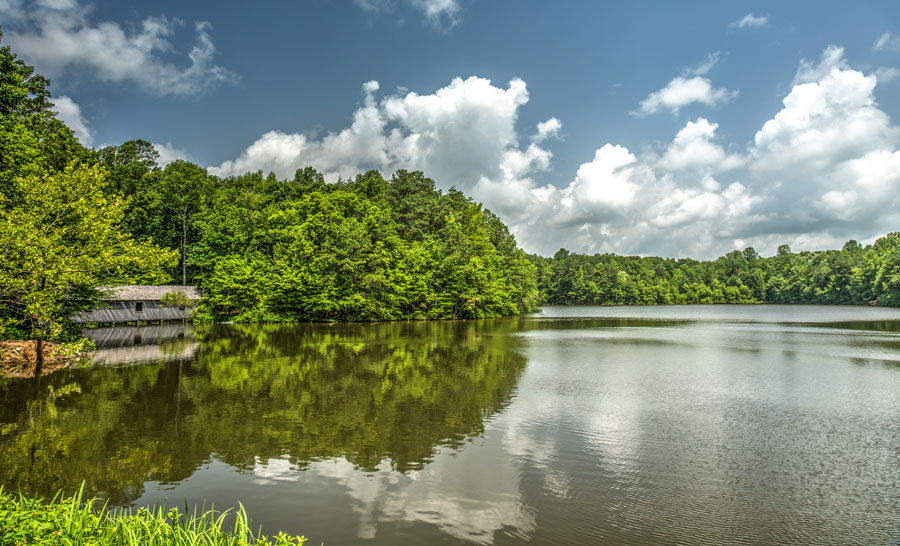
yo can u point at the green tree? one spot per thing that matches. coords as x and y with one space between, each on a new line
333 254
183 186
413 200
887 281
58 242
128 164
232 222
239 288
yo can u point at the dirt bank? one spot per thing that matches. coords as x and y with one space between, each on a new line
17 358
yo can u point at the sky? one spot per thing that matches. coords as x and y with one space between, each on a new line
655 128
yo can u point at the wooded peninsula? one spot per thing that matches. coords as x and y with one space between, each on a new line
369 248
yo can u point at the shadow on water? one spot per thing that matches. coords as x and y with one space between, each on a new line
365 392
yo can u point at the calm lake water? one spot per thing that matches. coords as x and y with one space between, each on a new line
698 425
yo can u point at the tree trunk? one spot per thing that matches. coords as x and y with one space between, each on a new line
183 246
38 356
39 342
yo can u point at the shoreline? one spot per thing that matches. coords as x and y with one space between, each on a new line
17 358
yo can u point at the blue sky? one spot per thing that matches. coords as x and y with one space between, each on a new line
662 128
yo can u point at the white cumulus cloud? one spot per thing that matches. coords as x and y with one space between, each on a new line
810 71
169 153
620 202
825 168
58 36
459 134
547 129
683 91
830 115
830 154
606 185
69 112
693 148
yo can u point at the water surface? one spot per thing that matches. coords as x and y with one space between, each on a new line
673 425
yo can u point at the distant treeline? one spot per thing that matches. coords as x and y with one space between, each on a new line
265 249
852 275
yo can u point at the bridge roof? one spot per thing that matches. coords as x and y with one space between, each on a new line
132 292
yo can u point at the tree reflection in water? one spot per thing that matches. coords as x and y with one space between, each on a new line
371 394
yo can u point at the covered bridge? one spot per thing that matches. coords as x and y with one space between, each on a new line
132 303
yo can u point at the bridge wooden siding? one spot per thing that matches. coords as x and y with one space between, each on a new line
136 304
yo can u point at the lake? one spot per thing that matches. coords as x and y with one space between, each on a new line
701 425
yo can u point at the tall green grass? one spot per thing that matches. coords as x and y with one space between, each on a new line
75 522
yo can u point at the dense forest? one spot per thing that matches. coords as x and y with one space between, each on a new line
264 249
853 275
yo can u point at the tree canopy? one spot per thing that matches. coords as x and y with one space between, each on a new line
268 249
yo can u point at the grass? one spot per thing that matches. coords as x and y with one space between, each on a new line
74 522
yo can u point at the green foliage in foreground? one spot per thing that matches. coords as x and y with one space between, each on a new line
74 522
854 275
